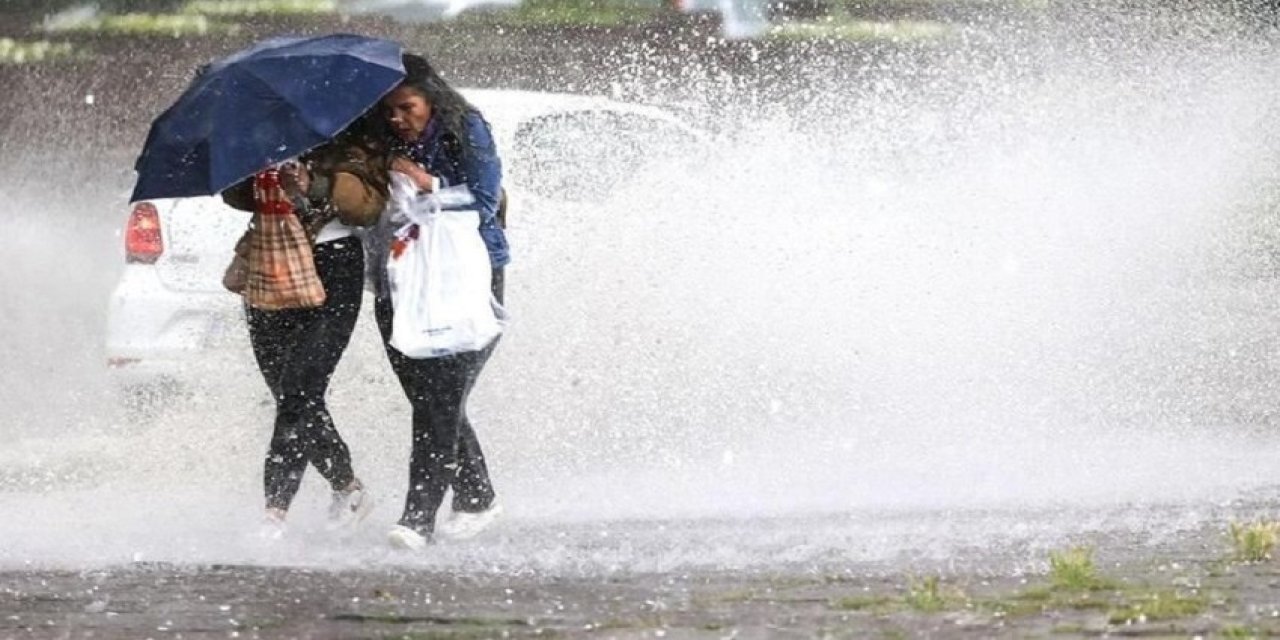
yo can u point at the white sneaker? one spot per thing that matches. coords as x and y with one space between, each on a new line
402 537
464 525
272 528
349 509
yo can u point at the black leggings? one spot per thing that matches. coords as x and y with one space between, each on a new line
297 351
445 452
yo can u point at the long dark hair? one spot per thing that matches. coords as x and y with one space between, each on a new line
446 103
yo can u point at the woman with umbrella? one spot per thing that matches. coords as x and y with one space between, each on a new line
277 100
439 139
334 189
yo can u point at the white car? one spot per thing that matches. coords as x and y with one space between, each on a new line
171 325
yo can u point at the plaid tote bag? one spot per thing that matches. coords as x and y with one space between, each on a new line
282 268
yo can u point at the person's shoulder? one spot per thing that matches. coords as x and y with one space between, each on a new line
477 128
472 119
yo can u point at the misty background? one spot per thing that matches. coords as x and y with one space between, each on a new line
1013 283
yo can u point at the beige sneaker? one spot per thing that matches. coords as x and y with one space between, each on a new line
349 508
402 537
464 525
272 528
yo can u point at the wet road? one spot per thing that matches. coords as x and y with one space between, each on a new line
790 590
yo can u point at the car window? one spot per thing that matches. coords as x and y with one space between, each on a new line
583 155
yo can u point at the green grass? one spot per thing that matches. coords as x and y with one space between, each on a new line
861 603
1121 607
1073 570
999 4
856 30
1239 632
157 24
1074 629
596 13
24 52
1159 605
1253 542
1029 602
926 595
258 7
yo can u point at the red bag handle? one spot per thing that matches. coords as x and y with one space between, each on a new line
268 196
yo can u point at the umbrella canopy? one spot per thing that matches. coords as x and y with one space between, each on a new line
262 105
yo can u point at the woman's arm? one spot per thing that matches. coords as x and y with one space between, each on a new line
357 186
481 167
357 201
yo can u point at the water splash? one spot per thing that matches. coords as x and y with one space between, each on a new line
1028 272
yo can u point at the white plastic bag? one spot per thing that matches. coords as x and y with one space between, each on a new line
440 276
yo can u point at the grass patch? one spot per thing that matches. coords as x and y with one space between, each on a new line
592 13
1014 608
1122 606
619 624
1159 605
1086 603
926 595
1073 585
23 52
258 7
138 24
861 603
1254 542
1240 632
854 30
997 4
1037 600
1073 570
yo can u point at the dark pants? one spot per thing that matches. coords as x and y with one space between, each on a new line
446 452
297 351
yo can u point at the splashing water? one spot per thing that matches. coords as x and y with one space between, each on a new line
1035 280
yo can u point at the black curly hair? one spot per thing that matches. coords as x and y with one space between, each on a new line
446 103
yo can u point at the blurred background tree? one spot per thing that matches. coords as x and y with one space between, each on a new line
1264 11
113 6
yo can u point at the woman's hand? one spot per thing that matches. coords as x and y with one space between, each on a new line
420 177
295 179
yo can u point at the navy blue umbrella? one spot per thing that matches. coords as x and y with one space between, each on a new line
262 105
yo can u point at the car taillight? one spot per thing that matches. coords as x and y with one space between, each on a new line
142 241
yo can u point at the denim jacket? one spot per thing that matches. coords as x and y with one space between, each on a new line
479 168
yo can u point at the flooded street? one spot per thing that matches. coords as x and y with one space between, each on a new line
902 313
824 577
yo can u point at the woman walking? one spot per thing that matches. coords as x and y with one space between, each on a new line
439 140
298 349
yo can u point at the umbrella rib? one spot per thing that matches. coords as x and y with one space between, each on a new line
302 108
217 161
299 108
